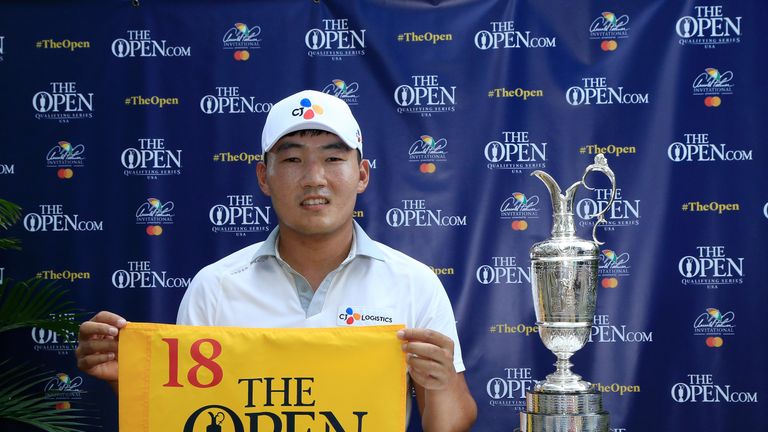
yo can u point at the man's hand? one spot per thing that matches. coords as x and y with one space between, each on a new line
97 349
442 394
429 357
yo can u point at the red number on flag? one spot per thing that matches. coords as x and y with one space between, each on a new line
206 362
197 356
173 362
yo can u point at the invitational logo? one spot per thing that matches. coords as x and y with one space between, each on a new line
595 91
623 212
612 266
63 103
515 153
605 332
241 39
709 27
503 34
520 209
356 316
151 159
702 388
608 28
415 213
65 158
714 325
228 100
425 95
64 388
335 39
712 84
50 341
139 274
710 266
239 215
503 270
141 44
153 213
343 90
51 218
428 151
696 147
509 388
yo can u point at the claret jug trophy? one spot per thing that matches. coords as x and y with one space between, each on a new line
564 286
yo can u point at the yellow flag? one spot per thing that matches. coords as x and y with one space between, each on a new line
229 379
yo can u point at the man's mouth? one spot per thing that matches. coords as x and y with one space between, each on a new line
314 201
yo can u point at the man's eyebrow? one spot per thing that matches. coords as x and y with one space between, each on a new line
336 146
287 145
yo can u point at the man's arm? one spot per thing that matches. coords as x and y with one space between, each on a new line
96 351
444 400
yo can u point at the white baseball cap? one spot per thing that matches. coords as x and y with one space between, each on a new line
310 109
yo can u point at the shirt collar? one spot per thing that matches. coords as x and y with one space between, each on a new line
362 245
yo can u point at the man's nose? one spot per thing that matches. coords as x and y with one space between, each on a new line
314 174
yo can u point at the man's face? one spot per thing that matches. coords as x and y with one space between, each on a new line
313 181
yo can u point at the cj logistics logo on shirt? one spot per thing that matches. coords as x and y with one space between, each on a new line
361 317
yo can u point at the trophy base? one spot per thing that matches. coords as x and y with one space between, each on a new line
564 412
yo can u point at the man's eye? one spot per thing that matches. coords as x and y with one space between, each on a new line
335 159
291 159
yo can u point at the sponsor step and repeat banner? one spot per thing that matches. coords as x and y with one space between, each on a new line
131 136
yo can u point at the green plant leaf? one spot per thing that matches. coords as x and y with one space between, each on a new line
10 213
10 243
20 402
36 303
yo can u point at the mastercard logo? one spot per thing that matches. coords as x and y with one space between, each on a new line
609 45
712 101
154 230
714 342
428 168
242 55
65 173
519 225
63 405
609 282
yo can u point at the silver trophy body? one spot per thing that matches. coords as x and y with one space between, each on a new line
564 286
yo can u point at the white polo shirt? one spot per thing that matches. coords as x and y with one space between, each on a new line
374 285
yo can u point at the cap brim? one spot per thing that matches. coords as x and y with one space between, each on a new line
311 125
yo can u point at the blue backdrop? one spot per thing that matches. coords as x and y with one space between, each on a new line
130 137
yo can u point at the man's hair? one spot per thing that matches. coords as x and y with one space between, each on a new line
311 132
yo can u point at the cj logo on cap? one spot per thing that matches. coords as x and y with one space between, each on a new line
307 110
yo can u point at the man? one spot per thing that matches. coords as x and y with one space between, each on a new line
318 266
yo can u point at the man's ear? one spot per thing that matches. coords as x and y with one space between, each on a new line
365 175
261 174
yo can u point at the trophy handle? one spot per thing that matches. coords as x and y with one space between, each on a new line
600 165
